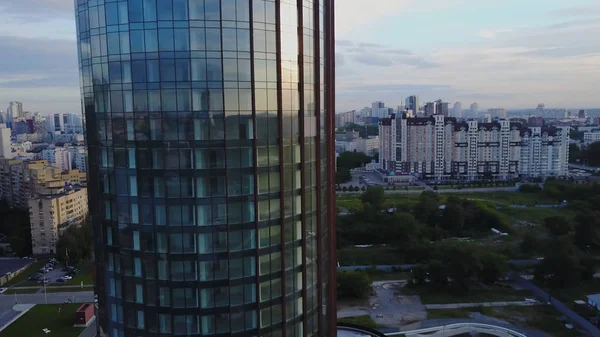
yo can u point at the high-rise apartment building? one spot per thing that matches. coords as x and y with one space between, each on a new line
412 103
439 147
59 156
14 112
498 112
5 144
379 110
345 118
474 109
436 108
209 127
52 213
457 110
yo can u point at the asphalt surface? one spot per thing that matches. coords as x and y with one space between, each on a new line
10 265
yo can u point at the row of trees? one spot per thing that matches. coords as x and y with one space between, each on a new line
75 244
457 266
14 224
347 161
589 155
569 250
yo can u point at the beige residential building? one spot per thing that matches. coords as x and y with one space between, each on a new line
21 180
51 214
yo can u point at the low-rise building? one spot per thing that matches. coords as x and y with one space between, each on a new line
591 137
368 146
51 214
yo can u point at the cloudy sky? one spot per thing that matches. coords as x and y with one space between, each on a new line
500 53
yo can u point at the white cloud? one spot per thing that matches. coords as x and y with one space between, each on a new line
492 34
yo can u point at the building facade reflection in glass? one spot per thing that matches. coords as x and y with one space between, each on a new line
209 129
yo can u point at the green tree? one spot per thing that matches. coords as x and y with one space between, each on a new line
342 175
575 153
493 266
577 135
75 243
427 209
374 196
438 272
587 230
350 160
353 284
530 243
557 225
561 266
14 223
453 218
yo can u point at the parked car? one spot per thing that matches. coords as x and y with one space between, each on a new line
67 277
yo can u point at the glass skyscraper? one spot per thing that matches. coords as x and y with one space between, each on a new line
210 132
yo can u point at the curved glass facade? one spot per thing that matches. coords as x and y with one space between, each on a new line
208 126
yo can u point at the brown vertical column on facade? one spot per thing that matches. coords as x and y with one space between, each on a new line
330 112
255 165
281 167
302 141
317 90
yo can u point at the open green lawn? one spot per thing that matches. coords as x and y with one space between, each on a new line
364 320
84 275
45 316
430 295
541 317
509 198
452 313
376 255
537 215
573 293
31 269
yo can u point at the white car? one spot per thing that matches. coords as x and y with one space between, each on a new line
67 277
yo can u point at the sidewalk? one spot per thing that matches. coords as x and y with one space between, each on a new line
481 304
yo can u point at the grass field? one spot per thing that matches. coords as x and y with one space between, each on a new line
573 293
541 317
84 275
352 256
34 267
364 320
431 295
451 313
45 316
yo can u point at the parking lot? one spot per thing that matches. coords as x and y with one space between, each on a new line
53 272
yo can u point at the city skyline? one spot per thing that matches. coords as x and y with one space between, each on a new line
499 54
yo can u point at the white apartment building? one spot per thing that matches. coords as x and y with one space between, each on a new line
5 146
591 137
345 118
368 146
59 156
439 147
